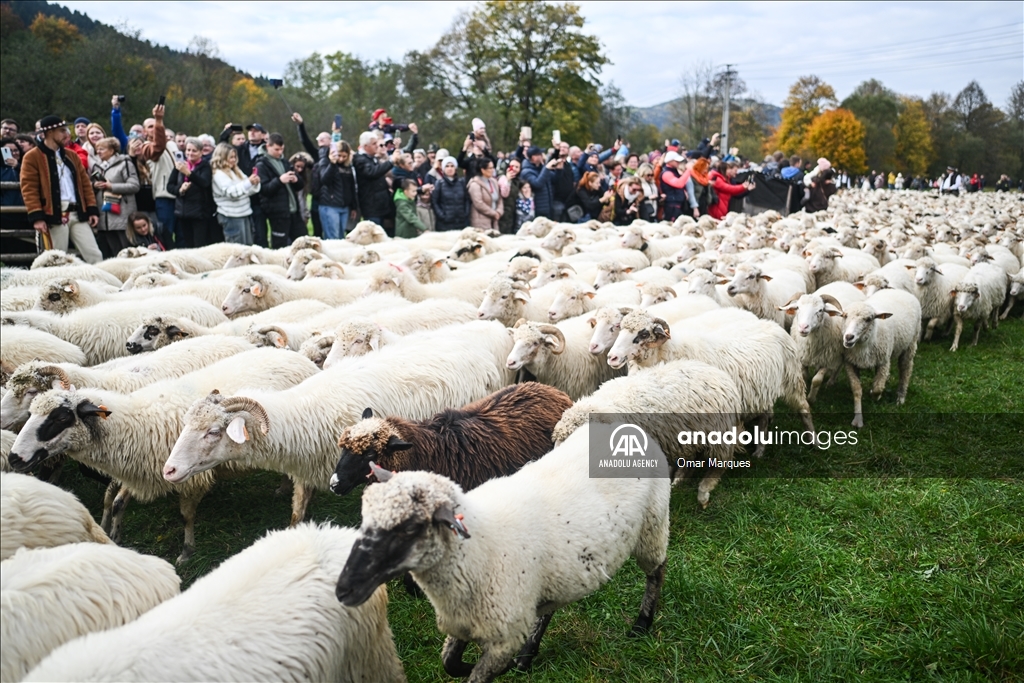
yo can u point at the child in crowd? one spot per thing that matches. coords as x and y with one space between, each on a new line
525 207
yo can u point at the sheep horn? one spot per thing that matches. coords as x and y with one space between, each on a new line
554 331
832 300
566 266
519 322
519 284
672 292
382 474
251 406
54 371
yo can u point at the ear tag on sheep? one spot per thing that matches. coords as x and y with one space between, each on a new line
237 431
382 474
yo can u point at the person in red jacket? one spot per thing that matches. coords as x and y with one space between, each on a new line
720 179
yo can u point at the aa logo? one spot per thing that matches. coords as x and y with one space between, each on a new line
628 441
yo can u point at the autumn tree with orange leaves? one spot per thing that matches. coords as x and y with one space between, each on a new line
838 136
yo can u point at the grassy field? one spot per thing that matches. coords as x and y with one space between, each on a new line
803 579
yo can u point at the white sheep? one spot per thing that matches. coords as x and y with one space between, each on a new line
549 272
54 258
759 356
573 298
978 297
35 514
366 233
100 330
557 355
6 442
571 533
1015 292
40 276
664 400
884 326
19 298
258 292
932 286
38 377
128 436
22 344
507 300
818 329
214 630
158 331
829 264
606 321
295 431
63 295
300 259
893 275
764 293
702 281
324 268
51 596
395 279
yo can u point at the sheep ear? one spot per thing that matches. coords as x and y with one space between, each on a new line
910 267
883 316
438 263
563 274
89 409
375 342
520 296
592 322
255 259
174 332
589 295
368 413
278 339
766 277
237 431
722 281
444 515
859 285
396 444
382 474
257 290
831 311
627 270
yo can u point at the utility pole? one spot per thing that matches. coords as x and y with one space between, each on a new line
729 73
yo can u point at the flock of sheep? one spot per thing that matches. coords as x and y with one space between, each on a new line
458 371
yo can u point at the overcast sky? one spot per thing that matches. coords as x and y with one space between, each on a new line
912 47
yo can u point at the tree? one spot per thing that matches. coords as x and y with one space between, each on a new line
877 108
806 100
913 140
1015 113
530 61
58 35
698 110
979 131
838 136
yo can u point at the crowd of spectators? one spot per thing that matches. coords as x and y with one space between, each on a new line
162 189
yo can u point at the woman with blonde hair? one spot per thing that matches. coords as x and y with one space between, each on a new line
93 134
231 192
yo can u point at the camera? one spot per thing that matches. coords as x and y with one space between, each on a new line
236 127
472 136
121 98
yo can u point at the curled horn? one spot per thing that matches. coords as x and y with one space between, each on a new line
519 284
672 292
54 371
554 331
274 328
832 300
793 300
566 266
382 474
251 406
519 322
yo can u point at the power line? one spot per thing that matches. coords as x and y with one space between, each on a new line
918 67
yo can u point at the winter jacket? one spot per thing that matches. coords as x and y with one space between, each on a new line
337 184
481 215
451 204
726 191
10 174
372 185
590 200
40 187
231 193
509 195
197 200
273 193
120 172
407 223
539 176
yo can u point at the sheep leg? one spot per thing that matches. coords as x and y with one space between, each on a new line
492 663
762 421
994 322
451 658
108 503
411 587
707 485
979 325
930 329
524 660
881 377
285 485
858 393
906 365
816 381
188 505
302 493
956 337
650 602
1009 305
117 512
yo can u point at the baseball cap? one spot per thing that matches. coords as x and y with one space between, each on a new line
256 126
673 156
534 151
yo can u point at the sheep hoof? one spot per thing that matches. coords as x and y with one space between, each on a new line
858 420
185 556
641 627
703 497
523 662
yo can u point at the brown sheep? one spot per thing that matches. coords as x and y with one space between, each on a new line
489 438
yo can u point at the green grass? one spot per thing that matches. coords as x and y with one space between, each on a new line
880 579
